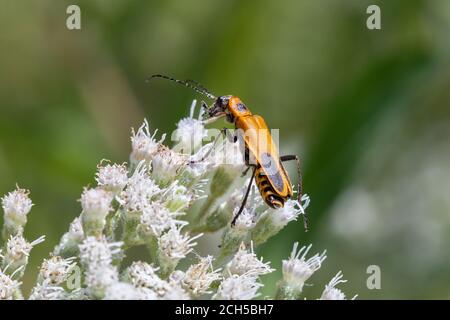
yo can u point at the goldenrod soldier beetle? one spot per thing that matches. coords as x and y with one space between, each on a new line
271 178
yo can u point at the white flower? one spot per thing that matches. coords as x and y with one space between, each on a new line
70 240
166 165
76 229
96 203
199 277
156 218
147 294
228 153
142 275
17 248
199 189
245 221
97 253
112 177
175 292
297 269
177 197
56 270
289 212
177 191
144 145
159 287
139 190
272 221
248 218
100 278
333 293
175 245
177 277
238 287
234 200
236 233
44 291
7 286
246 262
17 203
224 154
190 132
197 168
77 294
121 291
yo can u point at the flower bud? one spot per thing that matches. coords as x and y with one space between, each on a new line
112 178
190 133
121 291
238 287
96 204
166 166
68 246
17 253
173 246
296 271
333 293
233 236
8 286
98 280
55 271
44 291
177 197
274 220
16 206
199 277
246 262
144 145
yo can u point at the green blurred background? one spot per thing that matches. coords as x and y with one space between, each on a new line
367 111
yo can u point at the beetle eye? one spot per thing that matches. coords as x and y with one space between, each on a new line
223 102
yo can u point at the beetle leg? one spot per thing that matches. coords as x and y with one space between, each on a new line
245 171
224 133
299 173
244 201
247 163
212 119
299 185
231 137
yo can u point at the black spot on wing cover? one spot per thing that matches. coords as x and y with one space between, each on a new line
269 164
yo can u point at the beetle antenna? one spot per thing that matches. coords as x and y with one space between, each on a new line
188 83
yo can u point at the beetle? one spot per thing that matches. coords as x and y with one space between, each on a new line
268 172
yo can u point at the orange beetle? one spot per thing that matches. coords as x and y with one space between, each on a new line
271 178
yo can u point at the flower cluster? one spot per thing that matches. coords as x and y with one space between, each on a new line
16 249
165 200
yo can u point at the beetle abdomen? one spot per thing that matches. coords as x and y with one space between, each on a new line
268 193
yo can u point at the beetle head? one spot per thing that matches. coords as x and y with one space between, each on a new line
220 107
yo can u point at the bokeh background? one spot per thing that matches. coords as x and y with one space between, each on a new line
367 111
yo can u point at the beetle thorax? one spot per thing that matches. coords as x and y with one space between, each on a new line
237 108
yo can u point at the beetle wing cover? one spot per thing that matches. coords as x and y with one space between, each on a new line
261 145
